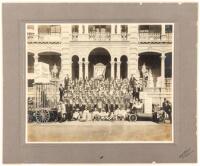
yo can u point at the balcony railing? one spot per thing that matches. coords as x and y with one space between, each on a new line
100 36
145 37
97 36
168 84
44 38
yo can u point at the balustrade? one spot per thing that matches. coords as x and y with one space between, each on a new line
155 37
49 38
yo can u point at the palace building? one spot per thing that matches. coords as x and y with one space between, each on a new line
75 49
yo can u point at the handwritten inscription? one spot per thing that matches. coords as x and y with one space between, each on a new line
186 153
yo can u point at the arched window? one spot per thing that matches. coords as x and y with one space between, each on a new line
75 67
115 68
168 65
124 67
99 55
83 67
52 59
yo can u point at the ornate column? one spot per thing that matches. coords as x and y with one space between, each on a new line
118 29
163 69
66 61
36 57
163 29
80 29
112 67
133 49
36 30
86 69
112 29
80 70
86 28
118 70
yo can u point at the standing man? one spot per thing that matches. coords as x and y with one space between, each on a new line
167 108
169 111
61 90
132 81
66 82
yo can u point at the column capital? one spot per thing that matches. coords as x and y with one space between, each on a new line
163 56
112 62
36 56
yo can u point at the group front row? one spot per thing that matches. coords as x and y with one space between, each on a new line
97 114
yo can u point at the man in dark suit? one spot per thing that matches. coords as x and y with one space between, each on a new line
167 108
68 108
169 111
61 90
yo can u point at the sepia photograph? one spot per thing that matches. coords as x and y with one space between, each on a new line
99 82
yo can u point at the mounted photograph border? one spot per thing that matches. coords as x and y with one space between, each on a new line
184 17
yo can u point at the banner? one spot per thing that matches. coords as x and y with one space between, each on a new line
99 70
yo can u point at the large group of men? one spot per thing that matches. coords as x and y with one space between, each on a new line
102 99
85 99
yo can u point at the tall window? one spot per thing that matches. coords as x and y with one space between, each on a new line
49 29
150 28
168 28
55 29
75 29
124 28
31 27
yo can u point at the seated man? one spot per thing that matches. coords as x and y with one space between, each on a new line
139 106
89 114
117 111
111 116
103 115
121 114
76 115
96 115
84 115
61 112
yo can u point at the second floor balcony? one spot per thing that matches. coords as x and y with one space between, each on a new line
145 37
44 38
99 36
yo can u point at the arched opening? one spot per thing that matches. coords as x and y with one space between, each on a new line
53 59
152 61
115 68
83 67
168 65
99 55
124 67
31 62
75 67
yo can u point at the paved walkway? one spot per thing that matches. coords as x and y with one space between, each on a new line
97 123
99 131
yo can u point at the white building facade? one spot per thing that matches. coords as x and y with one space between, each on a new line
74 49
